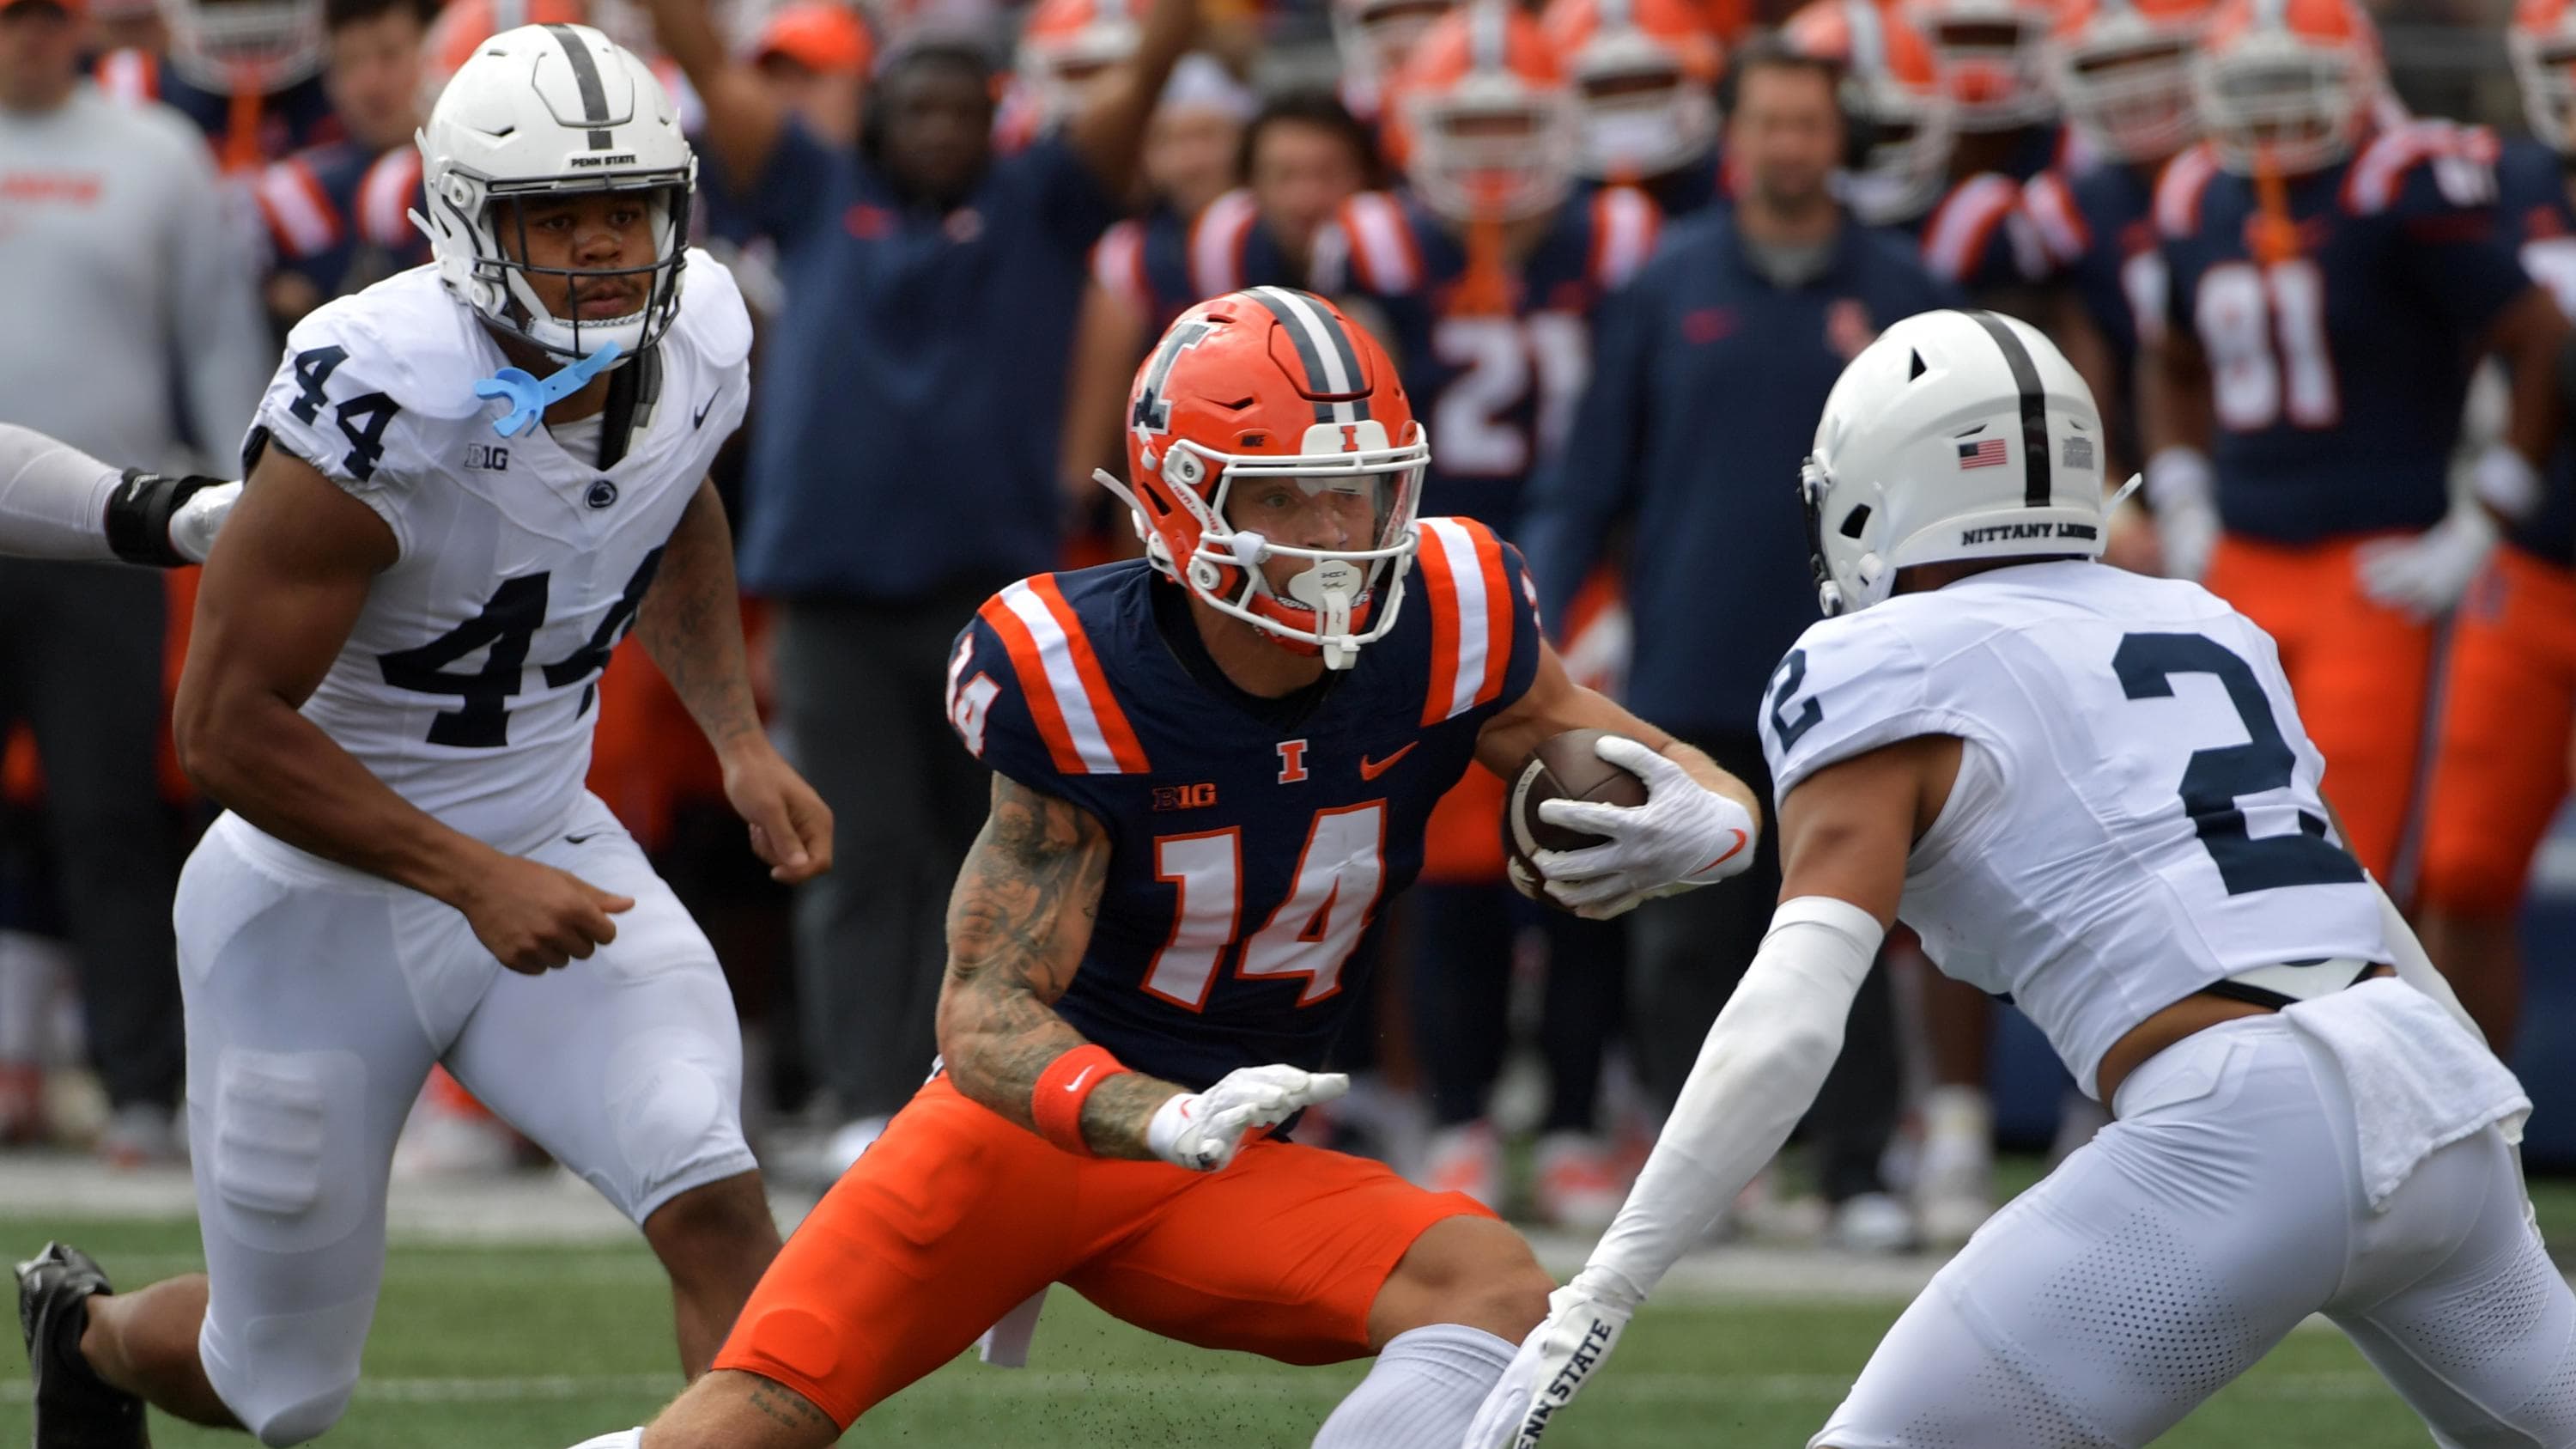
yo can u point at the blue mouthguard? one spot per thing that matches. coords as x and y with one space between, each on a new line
530 396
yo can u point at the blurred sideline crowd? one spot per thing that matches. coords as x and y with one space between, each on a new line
1620 249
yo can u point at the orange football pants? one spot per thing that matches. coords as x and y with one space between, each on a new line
2508 705
2361 672
957 1215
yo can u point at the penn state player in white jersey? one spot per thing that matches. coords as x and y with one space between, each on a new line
391 686
2090 791
59 502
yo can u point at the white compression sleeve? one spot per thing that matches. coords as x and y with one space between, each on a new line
53 498
1758 1072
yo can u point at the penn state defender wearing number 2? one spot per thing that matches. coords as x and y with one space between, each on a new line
390 686
2090 792
1211 771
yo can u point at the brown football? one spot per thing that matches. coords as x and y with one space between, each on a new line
1563 766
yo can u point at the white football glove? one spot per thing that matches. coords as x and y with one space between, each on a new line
1202 1130
193 525
1584 1321
2426 574
1685 835
2183 493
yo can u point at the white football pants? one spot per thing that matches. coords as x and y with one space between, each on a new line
317 999
2224 1206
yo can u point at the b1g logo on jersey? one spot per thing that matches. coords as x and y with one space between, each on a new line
486 458
1185 797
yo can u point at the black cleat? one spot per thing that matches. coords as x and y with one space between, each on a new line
74 1408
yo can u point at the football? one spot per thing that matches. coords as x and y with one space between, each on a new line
1562 767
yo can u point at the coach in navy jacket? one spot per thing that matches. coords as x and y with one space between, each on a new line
1709 373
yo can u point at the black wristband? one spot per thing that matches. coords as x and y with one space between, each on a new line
138 517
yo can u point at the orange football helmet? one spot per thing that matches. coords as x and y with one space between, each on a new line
1892 92
2122 69
1266 425
1644 74
1374 37
1994 58
1065 44
1481 117
2286 86
2543 45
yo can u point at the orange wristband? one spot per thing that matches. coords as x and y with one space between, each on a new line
1068 1082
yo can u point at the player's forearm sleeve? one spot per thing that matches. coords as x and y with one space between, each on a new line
53 498
1760 1069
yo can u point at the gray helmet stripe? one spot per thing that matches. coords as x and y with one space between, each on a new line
2036 486
585 74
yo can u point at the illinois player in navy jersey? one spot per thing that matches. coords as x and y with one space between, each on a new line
1212 768
1486 274
2500 766
2121 68
1645 78
246 72
2331 281
339 214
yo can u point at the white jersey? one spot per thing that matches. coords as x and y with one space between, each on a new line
2137 811
467 683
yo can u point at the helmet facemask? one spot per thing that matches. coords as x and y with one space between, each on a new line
2271 104
2131 94
495 213
2546 70
1642 115
249 47
1991 64
1492 149
1347 480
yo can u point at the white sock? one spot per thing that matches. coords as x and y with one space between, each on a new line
622 1439
1423 1393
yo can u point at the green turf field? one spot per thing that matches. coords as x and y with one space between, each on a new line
496 1347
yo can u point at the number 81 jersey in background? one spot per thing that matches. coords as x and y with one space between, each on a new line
467 682
1253 847
2137 812
2340 334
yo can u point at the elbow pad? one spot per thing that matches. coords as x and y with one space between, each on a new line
138 516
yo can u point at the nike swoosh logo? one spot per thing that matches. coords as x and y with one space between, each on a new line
1371 769
1725 855
704 408
1076 1084
584 839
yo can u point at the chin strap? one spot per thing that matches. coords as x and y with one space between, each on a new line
529 396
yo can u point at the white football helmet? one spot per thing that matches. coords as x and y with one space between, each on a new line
553 110
1955 435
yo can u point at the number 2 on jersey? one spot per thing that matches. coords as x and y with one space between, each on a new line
1311 934
2215 779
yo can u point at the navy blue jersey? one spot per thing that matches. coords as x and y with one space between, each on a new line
2097 229
1978 237
288 121
1163 264
339 215
1686 190
1251 861
2531 192
1496 389
2337 371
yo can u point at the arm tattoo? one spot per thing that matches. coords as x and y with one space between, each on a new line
1018 923
782 1405
691 623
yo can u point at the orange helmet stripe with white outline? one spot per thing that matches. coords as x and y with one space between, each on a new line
1644 73
1481 70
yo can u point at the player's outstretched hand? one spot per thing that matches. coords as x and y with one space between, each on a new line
534 918
1584 1321
1685 835
1202 1130
193 524
791 827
